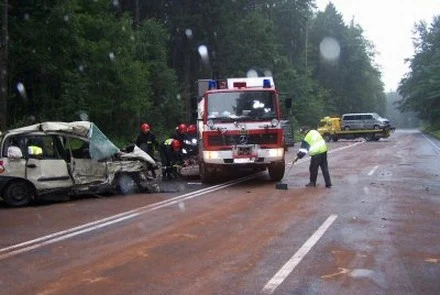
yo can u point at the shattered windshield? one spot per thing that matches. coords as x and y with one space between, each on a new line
250 105
100 146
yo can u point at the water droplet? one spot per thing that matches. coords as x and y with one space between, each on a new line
189 33
329 49
252 73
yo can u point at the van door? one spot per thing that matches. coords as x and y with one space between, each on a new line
47 170
84 169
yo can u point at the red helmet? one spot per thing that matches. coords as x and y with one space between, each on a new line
182 128
176 145
192 129
145 127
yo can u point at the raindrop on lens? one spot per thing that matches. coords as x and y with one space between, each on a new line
21 89
252 73
329 48
203 51
189 33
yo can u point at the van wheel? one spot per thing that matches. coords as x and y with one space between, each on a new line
376 127
18 193
347 128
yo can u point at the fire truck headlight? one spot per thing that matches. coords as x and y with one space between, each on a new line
275 122
276 152
210 124
212 155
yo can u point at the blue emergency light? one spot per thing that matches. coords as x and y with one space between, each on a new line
212 84
266 83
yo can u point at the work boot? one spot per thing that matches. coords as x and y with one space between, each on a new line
311 184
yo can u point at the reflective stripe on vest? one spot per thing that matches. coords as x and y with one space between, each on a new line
34 150
168 141
316 142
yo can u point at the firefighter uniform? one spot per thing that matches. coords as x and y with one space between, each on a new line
316 147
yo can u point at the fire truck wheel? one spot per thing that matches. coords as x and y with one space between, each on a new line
276 170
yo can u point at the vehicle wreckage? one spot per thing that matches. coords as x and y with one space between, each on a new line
59 159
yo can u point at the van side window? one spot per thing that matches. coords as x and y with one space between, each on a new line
369 117
79 148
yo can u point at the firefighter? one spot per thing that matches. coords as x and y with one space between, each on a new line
315 145
171 157
146 141
181 132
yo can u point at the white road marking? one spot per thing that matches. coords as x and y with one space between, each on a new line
71 232
431 142
290 265
373 170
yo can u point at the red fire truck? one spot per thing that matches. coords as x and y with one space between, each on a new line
239 126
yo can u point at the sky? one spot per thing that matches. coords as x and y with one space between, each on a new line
389 25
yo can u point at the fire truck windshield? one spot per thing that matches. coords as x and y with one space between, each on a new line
244 105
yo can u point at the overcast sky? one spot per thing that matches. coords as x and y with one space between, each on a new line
389 25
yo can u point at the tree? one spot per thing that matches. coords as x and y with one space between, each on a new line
420 89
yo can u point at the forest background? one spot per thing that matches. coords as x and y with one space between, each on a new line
123 62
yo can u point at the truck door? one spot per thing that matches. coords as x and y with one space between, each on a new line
47 169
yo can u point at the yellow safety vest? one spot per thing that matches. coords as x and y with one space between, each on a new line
34 150
316 142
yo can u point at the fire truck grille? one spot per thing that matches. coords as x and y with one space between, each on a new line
220 140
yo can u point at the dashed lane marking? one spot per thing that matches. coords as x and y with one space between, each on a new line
290 265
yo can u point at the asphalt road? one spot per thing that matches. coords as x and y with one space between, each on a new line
377 231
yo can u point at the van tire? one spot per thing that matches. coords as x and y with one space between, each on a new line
377 127
18 193
347 128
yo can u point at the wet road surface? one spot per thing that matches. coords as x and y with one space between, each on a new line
377 231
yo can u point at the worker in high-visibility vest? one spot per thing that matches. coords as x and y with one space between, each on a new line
315 146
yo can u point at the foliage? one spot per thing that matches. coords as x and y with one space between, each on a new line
124 62
420 89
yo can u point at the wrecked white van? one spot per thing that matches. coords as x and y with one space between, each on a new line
65 159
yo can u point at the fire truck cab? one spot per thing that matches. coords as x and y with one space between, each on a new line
239 126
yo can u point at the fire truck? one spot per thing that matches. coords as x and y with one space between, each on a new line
239 127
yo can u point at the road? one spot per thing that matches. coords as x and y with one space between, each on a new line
377 231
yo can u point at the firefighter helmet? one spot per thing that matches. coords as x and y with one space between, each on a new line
192 129
182 128
145 127
176 145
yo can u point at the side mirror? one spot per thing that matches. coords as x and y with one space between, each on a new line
288 103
